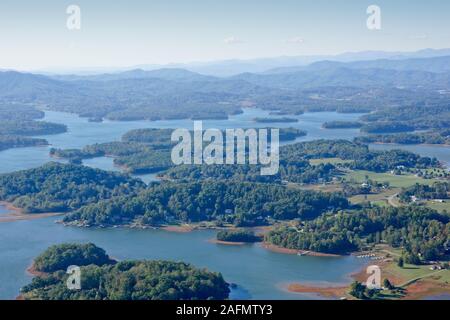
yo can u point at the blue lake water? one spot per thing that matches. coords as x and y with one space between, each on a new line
442 153
445 296
260 274
81 132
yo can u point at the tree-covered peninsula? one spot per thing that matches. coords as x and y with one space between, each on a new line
421 232
239 203
57 187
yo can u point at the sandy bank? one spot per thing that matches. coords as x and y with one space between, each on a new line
326 292
178 229
228 243
278 249
17 214
417 290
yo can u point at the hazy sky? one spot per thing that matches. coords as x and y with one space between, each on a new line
33 33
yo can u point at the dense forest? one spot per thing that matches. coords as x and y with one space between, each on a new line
154 137
300 172
9 141
438 137
295 163
60 257
433 116
105 279
30 128
19 112
361 157
421 232
342 125
17 123
386 127
439 190
143 150
58 187
242 204
238 236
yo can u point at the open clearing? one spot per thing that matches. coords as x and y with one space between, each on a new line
396 181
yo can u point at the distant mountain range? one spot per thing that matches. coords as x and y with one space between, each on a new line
179 93
233 67
171 74
409 73
433 64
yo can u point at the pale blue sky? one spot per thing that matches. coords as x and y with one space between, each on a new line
33 33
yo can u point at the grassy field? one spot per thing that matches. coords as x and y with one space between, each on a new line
380 199
440 207
396 181
331 187
411 273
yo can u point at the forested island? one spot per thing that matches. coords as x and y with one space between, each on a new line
275 120
342 125
238 236
103 278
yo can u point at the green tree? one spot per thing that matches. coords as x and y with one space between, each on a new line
400 262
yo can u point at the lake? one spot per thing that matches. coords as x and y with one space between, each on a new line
440 152
259 274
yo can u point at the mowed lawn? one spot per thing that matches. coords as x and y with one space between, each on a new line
411 272
440 207
380 199
396 181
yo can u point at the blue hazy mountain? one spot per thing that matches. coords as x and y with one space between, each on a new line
232 67
178 93
172 74
434 64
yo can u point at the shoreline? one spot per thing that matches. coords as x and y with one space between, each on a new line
228 243
178 229
412 144
416 290
17 214
278 249
31 270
